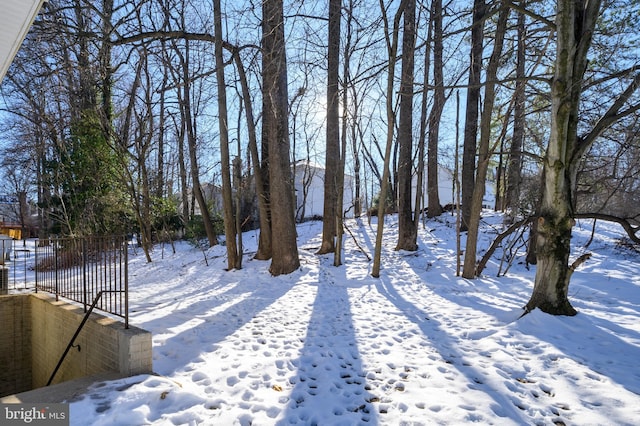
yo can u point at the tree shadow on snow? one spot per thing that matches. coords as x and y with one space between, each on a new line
448 347
330 385
202 324
599 343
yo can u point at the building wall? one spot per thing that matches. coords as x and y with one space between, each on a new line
310 179
39 329
15 344
102 345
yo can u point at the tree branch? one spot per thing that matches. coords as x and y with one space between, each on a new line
494 245
632 231
610 117
517 7
173 35
579 261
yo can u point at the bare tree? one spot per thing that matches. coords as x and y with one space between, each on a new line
407 229
575 23
484 154
472 112
264 239
276 135
512 193
332 152
392 50
184 96
132 142
234 258
433 198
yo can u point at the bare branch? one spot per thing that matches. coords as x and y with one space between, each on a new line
632 231
496 243
610 117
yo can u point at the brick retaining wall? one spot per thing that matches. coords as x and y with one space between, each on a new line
39 329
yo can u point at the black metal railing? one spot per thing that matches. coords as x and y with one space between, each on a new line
79 269
16 263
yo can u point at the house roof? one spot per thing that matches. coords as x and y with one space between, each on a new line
15 21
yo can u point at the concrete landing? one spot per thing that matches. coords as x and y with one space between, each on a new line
68 391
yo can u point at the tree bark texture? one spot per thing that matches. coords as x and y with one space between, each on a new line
433 197
264 239
514 177
407 230
575 21
233 257
472 112
284 248
473 224
332 153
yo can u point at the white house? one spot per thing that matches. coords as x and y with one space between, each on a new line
445 187
309 188
446 192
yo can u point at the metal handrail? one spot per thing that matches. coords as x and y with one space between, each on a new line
75 336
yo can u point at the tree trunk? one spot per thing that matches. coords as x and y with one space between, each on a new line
285 251
332 154
233 257
392 50
124 135
420 195
514 178
433 198
472 113
264 240
143 144
473 224
407 230
575 22
346 80
193 153
182 171
106 68
160 185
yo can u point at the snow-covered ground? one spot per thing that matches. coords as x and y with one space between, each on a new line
332 345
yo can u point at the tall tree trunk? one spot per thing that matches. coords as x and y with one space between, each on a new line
160 186
473 224
86 92
346 81
575 21
193 151
407 230
332 152
433 198
106 69
472 112
514 176
143 144
182 169
132 181
420 195
264 239
274 79
392 51
233 257
355 138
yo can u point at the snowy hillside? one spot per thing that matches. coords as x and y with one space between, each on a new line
419 346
